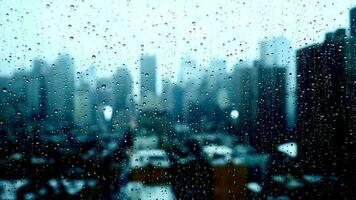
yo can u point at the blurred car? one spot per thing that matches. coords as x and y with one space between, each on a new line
218 155
157 158
242 150
139 191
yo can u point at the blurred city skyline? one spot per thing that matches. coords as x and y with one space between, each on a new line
124 111
108 35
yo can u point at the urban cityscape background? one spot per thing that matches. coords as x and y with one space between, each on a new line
281 126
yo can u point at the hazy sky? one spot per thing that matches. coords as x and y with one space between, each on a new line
119 31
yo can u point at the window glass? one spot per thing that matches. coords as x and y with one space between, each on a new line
177 99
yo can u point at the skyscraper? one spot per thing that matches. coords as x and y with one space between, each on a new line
350 138
271 107
216 77
19 92
148 76
245 99
122 88
353 22
311 104
166 98
351 79
4 101
60 95
278 51
37 98
104 101
188 70
322 114
82 109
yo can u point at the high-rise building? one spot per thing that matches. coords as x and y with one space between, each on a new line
166 98
217 78
353 22
60 93
82 108
37 98
148 70
245 100
177 96
19 92
322 116
104 102
191 100
4 103
351 80
188 70
278 52
350 138
122 88
311 104
271 107
86 99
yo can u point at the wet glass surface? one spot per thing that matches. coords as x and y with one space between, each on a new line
176 99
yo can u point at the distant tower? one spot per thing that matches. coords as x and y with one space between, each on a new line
322 111
245 98
61 92
103 102
271 106
353 22
215 80
278 52
122 88
148 76
82 110
167 101
37 89
188 70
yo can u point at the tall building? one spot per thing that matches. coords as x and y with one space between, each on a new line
311 104
351 79
245 100
166 98
191 100
122 88
19 92
216 80
177 96
350 138
148 70
60 93
278 52
37 98
82 108
271 107
4 104
322 113
104 101
188 70
86 99
353 22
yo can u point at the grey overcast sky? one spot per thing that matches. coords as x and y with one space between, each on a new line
118 31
